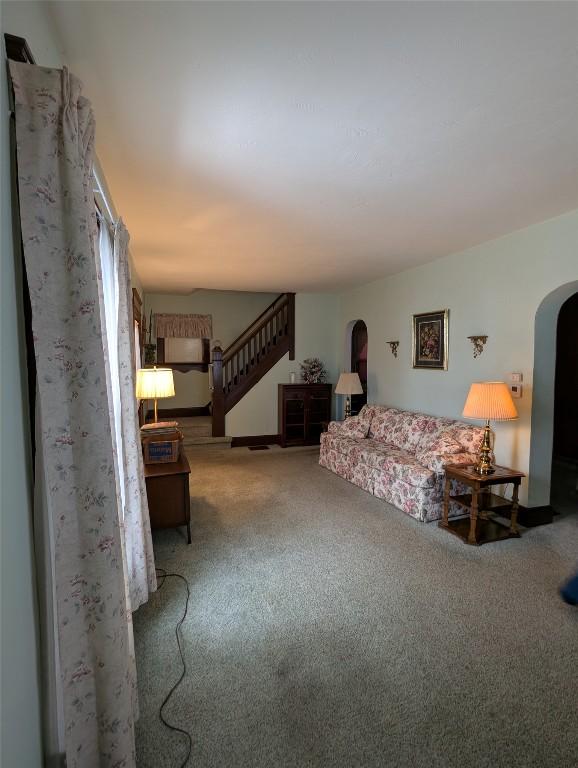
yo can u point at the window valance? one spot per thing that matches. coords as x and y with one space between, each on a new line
184 326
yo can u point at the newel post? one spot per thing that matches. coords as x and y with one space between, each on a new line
217 393
291 323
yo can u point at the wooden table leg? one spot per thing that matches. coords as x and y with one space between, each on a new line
446 502
514 515
188 508
472 538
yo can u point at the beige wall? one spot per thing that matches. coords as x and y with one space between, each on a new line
232 312
494 289
316 335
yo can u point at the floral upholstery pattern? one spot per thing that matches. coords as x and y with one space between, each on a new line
467 435
338 442
433 429
383 424
402 460
437 461
407 430
354 426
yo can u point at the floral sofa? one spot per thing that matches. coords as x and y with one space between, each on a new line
400 456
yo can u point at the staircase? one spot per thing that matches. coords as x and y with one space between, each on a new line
197 433
236 370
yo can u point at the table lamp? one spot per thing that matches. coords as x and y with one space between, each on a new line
152 383
489 400
348 384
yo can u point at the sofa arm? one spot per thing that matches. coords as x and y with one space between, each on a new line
355 426
437 461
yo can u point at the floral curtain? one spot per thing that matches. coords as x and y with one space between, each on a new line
183 326
55 138
135 514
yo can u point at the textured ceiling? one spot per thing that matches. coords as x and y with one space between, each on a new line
311 146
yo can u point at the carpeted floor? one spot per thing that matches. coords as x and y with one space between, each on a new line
326 628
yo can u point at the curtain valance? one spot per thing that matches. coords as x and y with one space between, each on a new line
184 326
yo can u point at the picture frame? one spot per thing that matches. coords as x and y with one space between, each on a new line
430 333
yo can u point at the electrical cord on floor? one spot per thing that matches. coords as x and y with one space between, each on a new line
164 576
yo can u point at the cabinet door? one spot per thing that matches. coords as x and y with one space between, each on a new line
295 400
318 409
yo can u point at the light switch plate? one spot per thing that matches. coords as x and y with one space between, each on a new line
516 389
516 377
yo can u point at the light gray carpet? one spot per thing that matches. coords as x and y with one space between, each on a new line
327 628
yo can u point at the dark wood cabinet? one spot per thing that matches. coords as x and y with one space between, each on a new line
168 494
303 408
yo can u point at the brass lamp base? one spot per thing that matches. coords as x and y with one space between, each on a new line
484 465
347 407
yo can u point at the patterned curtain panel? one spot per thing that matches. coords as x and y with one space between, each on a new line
184 326
55 136
136 523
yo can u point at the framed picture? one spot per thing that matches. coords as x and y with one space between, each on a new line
430 340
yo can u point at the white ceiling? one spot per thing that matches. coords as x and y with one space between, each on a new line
312 146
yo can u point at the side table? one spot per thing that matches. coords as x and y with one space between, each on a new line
480 528
168 494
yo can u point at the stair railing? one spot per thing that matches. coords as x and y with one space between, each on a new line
237 369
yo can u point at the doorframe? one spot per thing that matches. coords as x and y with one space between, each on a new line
543 390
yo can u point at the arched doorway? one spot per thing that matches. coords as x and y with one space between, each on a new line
359 363
546 339
564 478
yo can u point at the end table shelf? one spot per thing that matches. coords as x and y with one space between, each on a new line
479 528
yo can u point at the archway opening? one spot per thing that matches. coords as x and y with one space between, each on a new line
359 363
546 339
564 477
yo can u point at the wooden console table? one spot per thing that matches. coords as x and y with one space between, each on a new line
479 527
168 494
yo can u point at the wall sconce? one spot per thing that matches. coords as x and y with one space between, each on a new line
393 345
478 342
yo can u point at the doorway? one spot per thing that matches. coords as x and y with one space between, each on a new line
359 363
564 479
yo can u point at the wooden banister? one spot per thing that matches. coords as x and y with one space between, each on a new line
256 325
237 369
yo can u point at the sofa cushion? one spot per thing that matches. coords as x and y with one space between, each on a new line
407 430
354 426
435 426
374 453
404 466
395 462
443 444
348 446
383 422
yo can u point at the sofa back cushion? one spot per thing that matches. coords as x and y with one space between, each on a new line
355 426
441 448
417 432
408 429
435 427
383 422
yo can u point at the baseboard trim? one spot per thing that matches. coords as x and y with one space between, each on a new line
245 441
167 413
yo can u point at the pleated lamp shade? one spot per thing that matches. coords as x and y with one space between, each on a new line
349 384
153 383
490 400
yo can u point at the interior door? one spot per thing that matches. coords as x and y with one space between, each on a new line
359 363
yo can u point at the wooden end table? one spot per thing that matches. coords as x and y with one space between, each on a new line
168 494
479 527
